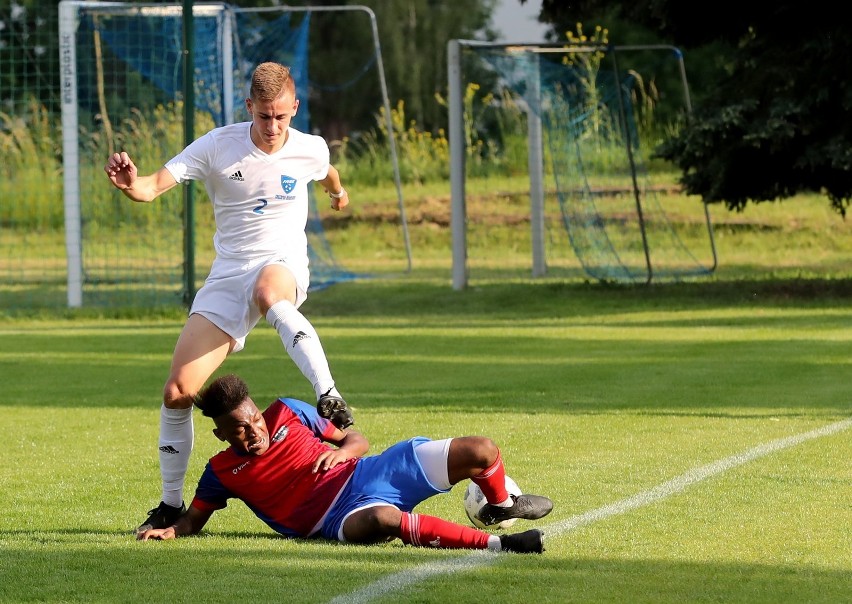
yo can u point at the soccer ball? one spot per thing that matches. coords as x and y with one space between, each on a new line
474 499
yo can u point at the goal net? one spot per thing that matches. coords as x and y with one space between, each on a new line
552 151
123 89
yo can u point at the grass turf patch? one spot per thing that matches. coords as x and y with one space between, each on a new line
594 394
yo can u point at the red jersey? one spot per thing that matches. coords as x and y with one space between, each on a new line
279 486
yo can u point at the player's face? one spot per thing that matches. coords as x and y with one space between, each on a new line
270 120
244 429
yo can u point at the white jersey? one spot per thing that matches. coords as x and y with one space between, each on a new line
260 200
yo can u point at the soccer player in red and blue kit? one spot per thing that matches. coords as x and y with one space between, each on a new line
280 464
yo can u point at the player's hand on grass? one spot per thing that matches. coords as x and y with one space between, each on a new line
157 534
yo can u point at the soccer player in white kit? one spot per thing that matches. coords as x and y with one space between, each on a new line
257 175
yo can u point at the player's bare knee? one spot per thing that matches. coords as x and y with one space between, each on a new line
267 293
479 450
387 520
373 525
176 397
265 298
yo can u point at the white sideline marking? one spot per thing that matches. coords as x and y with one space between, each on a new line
678 484
480 558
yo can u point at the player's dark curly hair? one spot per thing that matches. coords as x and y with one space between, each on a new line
222 396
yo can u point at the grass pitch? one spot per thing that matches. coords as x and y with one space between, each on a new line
595 394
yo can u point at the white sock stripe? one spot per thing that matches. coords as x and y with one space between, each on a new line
489 473
414 528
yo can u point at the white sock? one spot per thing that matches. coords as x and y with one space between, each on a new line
302 343
494 543
176 439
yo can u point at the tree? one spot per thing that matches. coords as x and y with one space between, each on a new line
413 36
773 124
29 66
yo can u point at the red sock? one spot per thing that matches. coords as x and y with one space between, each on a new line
428 531
492 481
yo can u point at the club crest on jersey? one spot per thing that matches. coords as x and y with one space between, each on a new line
288 183
280 434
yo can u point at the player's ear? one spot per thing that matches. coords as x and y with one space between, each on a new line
248 105
218 434
295 107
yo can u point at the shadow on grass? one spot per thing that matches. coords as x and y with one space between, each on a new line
529 299
397 345
70 565
502 292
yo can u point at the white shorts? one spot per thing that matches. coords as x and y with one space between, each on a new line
226 296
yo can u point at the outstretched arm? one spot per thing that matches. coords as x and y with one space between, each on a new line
189 523
124 176
350 444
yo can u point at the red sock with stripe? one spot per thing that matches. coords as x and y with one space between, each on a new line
428 531
492 481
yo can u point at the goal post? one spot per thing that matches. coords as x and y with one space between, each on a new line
70 156
586 117
68 26
121 75
458 162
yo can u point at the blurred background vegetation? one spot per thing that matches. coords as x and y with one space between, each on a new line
766 127
766 84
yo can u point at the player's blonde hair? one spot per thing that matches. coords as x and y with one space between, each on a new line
270 81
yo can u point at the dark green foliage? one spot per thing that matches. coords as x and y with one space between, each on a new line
28 55
413 36
771 124
773 127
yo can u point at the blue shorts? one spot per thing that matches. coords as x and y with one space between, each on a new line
394 477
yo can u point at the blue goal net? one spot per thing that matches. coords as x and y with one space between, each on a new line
601 114
130 92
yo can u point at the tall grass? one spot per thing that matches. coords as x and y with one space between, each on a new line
30 153
495 139
422 156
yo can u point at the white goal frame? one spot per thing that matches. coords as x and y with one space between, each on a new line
458 214
69 22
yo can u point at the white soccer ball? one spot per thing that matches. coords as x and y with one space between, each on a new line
474 499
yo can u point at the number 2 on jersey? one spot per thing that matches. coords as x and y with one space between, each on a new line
259 209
